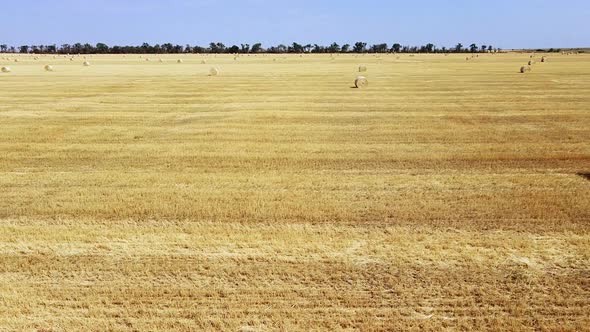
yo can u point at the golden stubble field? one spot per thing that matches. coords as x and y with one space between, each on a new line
138 195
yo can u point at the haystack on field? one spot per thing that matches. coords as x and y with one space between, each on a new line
146 196
361 82
213 71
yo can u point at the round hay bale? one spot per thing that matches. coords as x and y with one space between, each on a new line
361 82
213 71
71 59
86 64
48 68
530 62
543 59
6 69
203 62
15 60
147 59
179 61
160 60
362 68
467 58
524 69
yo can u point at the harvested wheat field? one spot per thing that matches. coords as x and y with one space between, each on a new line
144 196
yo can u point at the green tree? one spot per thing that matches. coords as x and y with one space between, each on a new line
256 48
281 48
359 47
217 47
297 48
379 48
234 49
334 48
167 48
317 49
178 48
102 48
66 48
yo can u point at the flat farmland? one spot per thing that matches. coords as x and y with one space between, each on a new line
145 195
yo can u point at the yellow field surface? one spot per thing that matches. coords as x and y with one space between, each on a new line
144 195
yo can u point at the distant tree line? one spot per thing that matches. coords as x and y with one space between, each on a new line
218 48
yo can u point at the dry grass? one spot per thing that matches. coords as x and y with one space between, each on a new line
144 196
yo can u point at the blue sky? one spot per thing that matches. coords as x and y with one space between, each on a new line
502 23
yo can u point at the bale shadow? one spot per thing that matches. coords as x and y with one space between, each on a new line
585 176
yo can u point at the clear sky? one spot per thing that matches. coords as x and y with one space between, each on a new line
502 23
